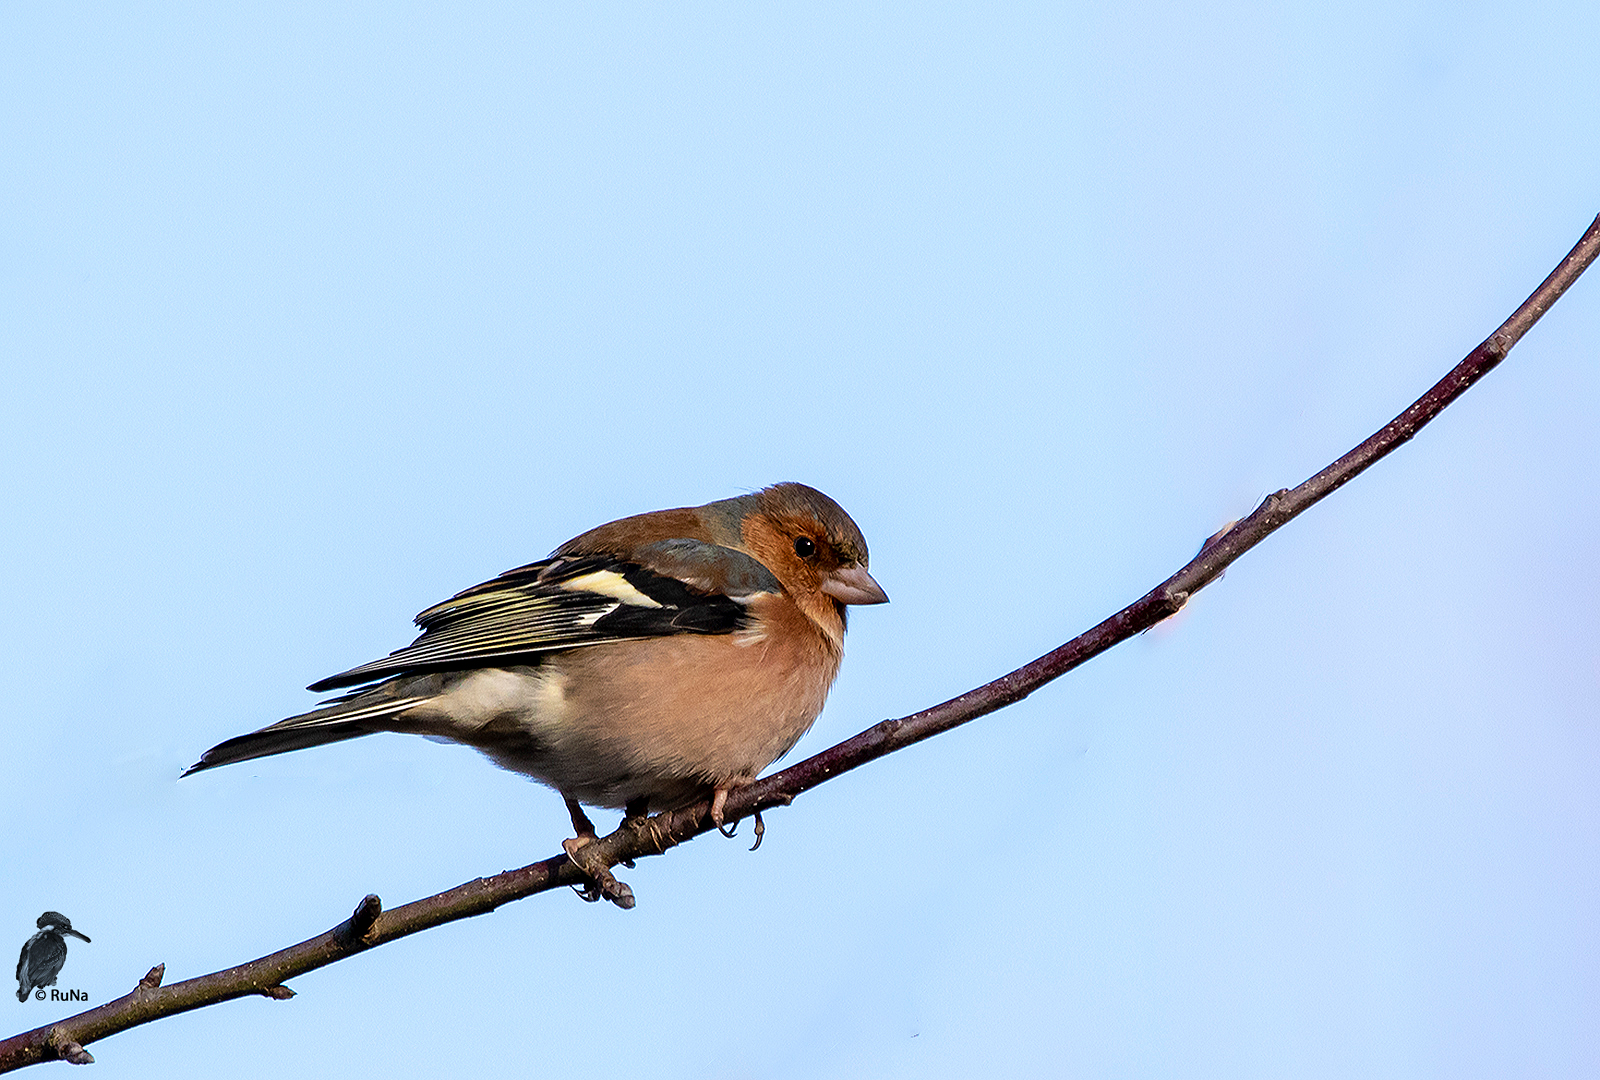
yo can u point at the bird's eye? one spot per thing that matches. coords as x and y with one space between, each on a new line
804 547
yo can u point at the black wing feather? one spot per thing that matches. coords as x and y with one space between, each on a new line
561 603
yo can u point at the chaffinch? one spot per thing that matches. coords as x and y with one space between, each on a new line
646 663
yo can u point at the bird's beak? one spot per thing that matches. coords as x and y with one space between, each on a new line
853 585
74 933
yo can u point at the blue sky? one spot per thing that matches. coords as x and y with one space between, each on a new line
314 315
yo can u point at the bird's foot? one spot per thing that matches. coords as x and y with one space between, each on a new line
580 850
602 885
719 801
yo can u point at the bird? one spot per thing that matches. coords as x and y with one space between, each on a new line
646 664
44 954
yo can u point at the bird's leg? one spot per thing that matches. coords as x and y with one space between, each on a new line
581 823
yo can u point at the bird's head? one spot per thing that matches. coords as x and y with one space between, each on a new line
54 920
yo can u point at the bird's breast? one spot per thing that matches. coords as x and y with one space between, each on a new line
663 718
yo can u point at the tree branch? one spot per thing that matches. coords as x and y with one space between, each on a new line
370 926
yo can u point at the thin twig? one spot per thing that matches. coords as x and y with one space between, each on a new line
371 926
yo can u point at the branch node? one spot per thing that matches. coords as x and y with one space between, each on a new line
74 1053
1216 537
277 993
651 831
152 978
586 856
618 893
363 919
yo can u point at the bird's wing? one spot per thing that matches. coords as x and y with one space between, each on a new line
670 587
42 958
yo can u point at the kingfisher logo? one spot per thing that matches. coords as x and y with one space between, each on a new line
42 958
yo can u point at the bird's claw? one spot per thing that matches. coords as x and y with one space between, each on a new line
719 799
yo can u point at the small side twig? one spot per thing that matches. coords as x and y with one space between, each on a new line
358 931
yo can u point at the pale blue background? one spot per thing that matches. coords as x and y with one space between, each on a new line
313 315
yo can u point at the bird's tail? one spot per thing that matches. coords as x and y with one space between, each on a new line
349 717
